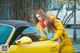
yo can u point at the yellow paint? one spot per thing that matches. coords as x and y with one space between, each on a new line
47 46
7 42
24 40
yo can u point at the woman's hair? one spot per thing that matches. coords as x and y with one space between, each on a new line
49 21
41 13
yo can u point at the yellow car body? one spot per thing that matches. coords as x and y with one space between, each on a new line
36 47
46 46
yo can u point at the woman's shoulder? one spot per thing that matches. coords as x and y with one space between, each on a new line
38 24
52 16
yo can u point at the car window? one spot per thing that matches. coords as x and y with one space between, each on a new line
5 32
56 7
35 30
32 32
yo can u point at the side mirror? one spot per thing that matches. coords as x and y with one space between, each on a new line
24 40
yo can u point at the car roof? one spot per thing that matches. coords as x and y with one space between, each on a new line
16 23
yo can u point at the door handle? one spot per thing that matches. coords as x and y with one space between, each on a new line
54 48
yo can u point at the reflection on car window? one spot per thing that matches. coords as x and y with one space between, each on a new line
5 32
35 30
32 32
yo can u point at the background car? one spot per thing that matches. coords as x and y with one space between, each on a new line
65 12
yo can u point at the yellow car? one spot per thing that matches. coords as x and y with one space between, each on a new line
11 31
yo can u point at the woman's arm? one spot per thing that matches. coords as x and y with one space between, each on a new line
44 36
57 35
60 30
41 28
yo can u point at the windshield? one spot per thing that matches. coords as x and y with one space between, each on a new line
5 31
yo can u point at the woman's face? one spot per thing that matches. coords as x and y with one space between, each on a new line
38 17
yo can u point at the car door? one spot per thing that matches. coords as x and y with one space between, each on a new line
37 46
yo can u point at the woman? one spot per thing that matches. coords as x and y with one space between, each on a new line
54 25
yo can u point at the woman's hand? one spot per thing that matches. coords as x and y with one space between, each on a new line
44 37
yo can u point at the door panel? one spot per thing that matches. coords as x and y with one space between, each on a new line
36 47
